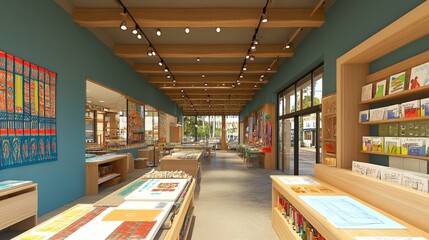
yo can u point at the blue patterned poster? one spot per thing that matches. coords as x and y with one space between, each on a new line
27 113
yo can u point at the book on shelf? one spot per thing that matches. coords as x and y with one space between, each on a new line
396 83
392 145
366 92
410 109
366 143
392 175
367 169
377 144
419 76
380 89
393 111
376 114
415 181
413 146
424 105
364 116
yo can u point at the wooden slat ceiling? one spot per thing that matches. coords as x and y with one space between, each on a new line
213 85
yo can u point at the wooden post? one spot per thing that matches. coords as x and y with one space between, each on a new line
224 146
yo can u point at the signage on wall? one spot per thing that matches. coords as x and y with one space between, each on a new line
27 113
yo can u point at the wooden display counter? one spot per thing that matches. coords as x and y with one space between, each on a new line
96 175
190 166
292 193
18 207
205 148
64 224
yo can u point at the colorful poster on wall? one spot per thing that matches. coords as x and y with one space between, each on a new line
25 111
162 125
135 122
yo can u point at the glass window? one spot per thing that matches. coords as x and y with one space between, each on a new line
281 99
318 84
290 100
231 124
189 129
303 93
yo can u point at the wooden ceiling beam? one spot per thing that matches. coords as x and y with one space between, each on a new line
204 68
202 51
177 96
231 91
209 88
199 17
209 79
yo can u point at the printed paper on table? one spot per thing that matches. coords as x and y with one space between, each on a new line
343 212
419 76
298 181
158 190
397 83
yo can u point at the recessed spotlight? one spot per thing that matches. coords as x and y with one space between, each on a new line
158 32
198 59
262 76
187 30
203 76
135 31
160 63
139 36
218 29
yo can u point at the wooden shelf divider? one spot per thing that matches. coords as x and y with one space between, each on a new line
396 155
396 120
402 94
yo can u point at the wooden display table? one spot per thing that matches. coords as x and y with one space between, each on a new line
190 166
191 146
292 195
18 206
146 153
94 165
62 225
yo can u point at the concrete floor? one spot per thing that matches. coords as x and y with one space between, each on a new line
232 201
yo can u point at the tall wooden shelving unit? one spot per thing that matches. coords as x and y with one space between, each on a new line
352 73
329 129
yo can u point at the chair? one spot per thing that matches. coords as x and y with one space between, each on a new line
250 158
213 151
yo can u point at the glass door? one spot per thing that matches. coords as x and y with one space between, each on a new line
288 146
308 143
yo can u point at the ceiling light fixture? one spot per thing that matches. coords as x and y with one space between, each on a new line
241 76
123 25
182 90
139 36
218 29
174 80
203 76
244 68
165 69
253 47
268 69
264 18
158 32
287 46
247 56
187 30
255 86
198 59
160 63
252 58
135 31
256 42
205 84
223 84
168 76
233 86
238 83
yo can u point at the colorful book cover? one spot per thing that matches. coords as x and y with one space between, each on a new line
413 146
376 114
366 92
377 144
419 76
397 83
366 143
410 109
424 105
364 116
393 111
380 89
392 145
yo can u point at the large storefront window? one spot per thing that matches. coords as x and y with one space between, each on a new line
299 115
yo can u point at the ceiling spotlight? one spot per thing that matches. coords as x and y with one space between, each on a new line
181 90
244 68
238 83
123 25
187 30
269 69
208 100
210 106
238 80
241 76
253 47
135 31
151 52
158 32
251 58
139 36
165 69
160 63
174 84
218 29
260 79
198 59
203 76
205 89
287 46
233 85
255 86
183 95
256 42
247 56
262 76
168 76
174 80
205 84
264 18
223 84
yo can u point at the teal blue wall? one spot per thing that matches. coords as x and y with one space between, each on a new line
43 33
348 23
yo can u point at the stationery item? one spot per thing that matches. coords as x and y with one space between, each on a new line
397 83
377 144
410 109
368 169
364 116
366 143
393 111
380 89
298 181
158 190
377 114
366 92
392 175
344 212
413 146
424 105
419 76
392 145
415 181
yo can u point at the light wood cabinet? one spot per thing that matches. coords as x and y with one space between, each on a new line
329 130
18 207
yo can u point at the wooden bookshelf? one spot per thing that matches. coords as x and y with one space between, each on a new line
398 95
396 155
396 120
329 129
